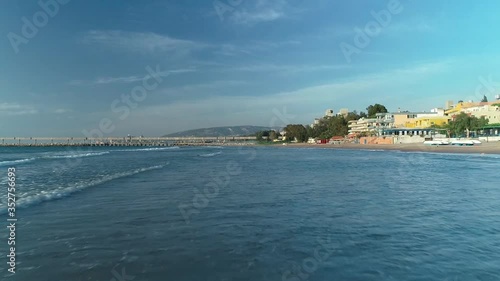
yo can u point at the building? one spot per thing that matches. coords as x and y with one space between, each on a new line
405 123
460 107
329 113
385 120
376 140
402 119
427 122
343 112
362 126
409 132
315 122
439 111
491 130
448 104
488 110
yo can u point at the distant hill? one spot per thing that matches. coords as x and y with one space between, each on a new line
232 131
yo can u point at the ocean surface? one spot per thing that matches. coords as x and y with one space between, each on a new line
264 213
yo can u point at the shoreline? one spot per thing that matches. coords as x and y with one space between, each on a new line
484 148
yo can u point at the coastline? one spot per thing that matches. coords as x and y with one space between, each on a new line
484 148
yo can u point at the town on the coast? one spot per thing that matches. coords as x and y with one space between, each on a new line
464 123
460 123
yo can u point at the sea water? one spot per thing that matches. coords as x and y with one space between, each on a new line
250 213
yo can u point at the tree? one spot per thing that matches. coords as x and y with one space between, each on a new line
374 109
327 126
296 131
310 132
273 135
260 135
485 99
264 135
463 123
353 116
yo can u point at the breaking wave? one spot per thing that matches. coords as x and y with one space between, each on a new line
13 162
149 149
27 160
26 200
210 154
76 155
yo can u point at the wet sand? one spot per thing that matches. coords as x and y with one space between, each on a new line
486 148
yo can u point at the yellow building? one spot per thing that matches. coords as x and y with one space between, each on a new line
427 122
402 118
461 106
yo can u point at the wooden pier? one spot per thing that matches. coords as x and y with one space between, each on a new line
121 141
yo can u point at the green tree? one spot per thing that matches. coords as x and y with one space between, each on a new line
263 135
353 116
374 109
328 126
296 131
310 132
463 123
485 99
273 135
332 126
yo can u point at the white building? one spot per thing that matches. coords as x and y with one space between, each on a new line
343 112
329 113
490 112
438 111
315 122
363 125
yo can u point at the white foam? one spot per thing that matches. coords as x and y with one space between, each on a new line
210 154
13 162
21 161
77 155
27 200
149 149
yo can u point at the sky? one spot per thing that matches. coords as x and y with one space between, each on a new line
152 67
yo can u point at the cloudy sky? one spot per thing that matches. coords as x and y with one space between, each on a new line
67 67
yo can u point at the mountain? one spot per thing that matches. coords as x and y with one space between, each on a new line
233 131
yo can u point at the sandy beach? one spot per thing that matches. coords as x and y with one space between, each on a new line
486 148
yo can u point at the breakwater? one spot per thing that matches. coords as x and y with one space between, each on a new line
122 141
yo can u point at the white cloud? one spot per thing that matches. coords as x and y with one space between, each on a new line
409 27
286 69
214 85
127 79
141 42
253 47
16 109
156 44
261 11
395 27
61 111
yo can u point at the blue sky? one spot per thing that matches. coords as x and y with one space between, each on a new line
235 62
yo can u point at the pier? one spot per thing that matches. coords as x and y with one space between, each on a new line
123 141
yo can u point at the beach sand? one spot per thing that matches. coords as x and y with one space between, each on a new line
486 148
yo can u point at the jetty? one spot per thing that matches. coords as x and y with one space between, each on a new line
123 141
